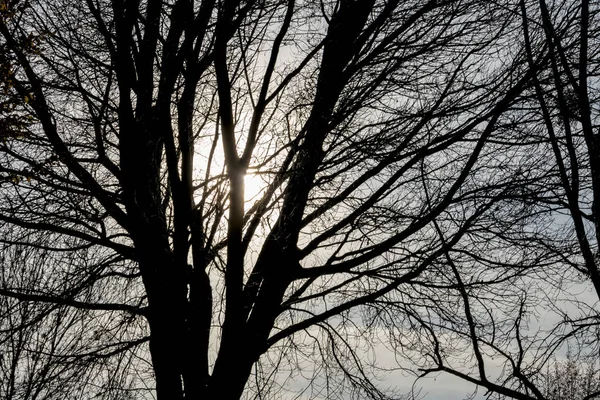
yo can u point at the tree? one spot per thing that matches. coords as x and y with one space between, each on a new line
536 290
381 132
49 349
571 379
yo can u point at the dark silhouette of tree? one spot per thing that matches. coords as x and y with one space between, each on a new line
399 190
536 289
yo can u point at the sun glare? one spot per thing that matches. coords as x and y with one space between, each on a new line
253 188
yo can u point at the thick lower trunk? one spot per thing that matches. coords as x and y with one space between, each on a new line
179 324
198 318
229 376
167 306
164 358
179 335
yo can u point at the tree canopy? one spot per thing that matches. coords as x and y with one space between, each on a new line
250 199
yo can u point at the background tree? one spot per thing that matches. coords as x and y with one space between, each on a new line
49 350
395 184
535 291
571 379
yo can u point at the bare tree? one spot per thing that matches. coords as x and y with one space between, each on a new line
382 133
572 379
49 349
535 290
